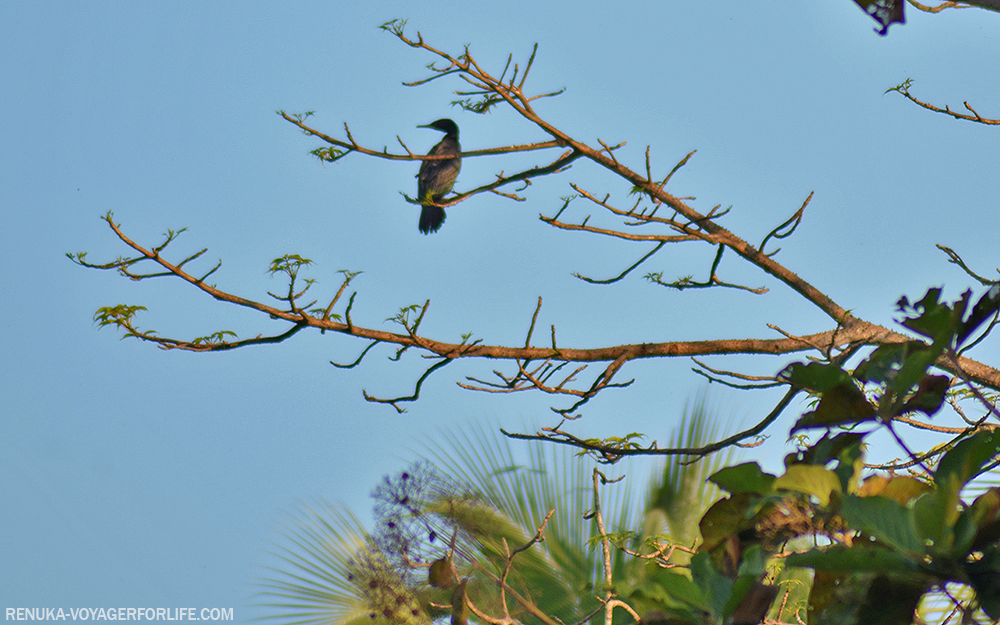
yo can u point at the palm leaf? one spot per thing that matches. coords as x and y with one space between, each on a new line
494 495
333 573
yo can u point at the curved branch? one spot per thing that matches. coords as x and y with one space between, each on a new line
904 90
611 453
854 333
416 391
988 5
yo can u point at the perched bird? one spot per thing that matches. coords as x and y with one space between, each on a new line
437 177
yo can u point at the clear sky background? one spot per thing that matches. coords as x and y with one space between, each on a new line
131 477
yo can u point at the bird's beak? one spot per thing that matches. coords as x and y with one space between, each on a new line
424 126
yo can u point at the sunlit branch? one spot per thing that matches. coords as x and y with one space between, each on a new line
937 9
352 146
904 90
856 334
684 224
609 600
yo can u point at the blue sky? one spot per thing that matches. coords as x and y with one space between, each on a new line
130 476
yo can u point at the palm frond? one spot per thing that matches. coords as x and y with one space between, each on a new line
473 493
333 573
680 493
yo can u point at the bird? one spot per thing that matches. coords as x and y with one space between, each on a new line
437 177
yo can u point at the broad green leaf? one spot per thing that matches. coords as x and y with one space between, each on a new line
886 520
985 308
834 597
826 448
884 13
984 514
914 369
743 478
842 559
815 377
840 405
934 515
966 459
932 318
716 588
891 600
723 519
900 366
929 396
883 364
753 563
679 587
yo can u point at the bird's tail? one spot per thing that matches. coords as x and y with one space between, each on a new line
431 218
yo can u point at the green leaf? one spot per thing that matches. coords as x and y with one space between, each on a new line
842 559
883 363
288 264
929 396
679 587
934 515
985 308
899 366
826 449
967 459
753 563
716 587
843 404
884 13
725 518
815 377
886 520
984 515
891 600
931 318
900 488
743 478
914 369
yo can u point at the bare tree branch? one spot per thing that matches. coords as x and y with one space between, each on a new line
536 367
989 5
904 90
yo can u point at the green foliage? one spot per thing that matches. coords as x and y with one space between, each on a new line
471 502
893 539
216 338
895 376
122 317
879 547
288 264
885 543
744 478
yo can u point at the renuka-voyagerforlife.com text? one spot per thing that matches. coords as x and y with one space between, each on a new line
119 614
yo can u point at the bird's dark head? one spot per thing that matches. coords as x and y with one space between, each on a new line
444 125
